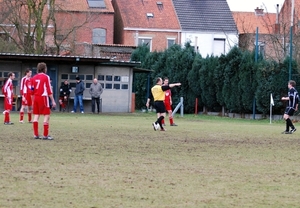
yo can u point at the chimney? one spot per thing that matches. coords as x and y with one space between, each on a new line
277 25
259 12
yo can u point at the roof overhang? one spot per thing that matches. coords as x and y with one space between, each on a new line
141 70
56 58
71 60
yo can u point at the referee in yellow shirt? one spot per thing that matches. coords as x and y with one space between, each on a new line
158 94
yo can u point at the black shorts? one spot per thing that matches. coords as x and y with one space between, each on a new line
289 111
159 106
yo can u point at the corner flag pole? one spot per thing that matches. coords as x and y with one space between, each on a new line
271 105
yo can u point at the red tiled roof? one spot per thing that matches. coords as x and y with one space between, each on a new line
134 14
247 22
82 6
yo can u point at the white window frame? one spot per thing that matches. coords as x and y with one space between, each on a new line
141 40
171 39
99 36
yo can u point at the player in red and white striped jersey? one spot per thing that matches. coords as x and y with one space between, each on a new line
7 91
26 93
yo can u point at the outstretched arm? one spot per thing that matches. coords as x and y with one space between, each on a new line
166 87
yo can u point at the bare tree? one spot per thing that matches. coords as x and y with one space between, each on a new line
25 23
274 33
40 26
67 26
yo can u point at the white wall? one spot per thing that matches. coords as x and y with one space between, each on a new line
116 100
205 41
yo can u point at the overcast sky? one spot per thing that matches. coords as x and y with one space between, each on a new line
250 5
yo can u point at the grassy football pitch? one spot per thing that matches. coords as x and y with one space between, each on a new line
118 160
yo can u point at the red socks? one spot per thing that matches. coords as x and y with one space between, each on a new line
29 117
21 116
46 129
36 128
6 117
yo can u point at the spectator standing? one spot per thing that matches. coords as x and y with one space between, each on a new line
42 92
7 91
293 98
95 91
26 94
78 97
64 93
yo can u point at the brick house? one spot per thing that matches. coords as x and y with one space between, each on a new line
285 22
91 23
153 23
247 24
273 30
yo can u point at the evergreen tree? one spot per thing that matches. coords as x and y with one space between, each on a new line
140 80
194 79
207 83
231 89
219 79
181 63
273 78
247 83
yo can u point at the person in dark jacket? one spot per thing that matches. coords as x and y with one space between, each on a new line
64 93
78 95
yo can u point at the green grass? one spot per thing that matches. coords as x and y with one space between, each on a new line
117 160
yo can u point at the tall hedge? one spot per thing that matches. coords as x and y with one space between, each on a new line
232 81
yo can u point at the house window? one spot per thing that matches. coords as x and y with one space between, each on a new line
73 76
171 41
4 75
117 86
81 76
96 3
59 37
150 15
124 86
261 49
108 86
115 82
99 36
88 85
117 78
89 77
101 77
64 76
145 41
219 46
108 77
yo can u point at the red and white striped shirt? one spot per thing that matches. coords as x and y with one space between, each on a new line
8 89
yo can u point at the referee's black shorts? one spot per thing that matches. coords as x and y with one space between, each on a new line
159 106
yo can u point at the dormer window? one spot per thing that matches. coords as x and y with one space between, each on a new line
259 12
159 5
96 3
150 15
